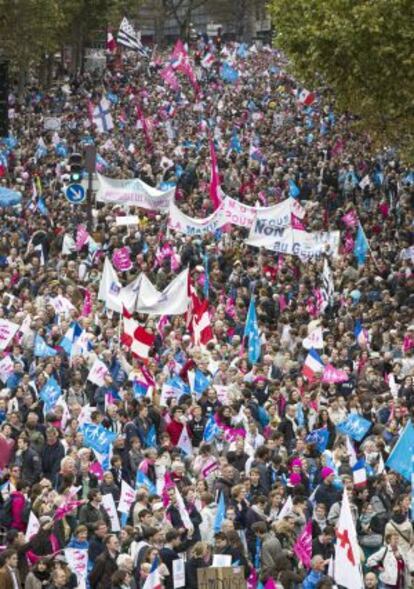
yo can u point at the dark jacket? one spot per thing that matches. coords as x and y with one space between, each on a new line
191 569
328 495
104 568
89 515
51 457
168 555
30 466
96 547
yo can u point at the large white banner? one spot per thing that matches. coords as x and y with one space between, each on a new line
242 215
189 226
285 240
133 192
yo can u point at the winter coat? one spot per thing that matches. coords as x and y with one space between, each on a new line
384 557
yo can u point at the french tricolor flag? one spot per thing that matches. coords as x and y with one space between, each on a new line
153 581
359 473
313 366
207 60
305 97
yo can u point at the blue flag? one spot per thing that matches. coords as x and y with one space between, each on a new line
41 206
412 488
294 189
151 437
242 51
70 337
235 144
142 479
300 418
206 285
178 385
97 437
251 331
220 514
50 393
211 430
361 246
140 388
201 382
401 455
229 74
355 426
61 150
320 438
41 349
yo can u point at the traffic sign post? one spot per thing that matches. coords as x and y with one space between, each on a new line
75 194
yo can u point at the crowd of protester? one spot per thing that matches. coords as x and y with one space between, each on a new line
43 459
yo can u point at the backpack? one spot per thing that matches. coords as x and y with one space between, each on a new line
6 513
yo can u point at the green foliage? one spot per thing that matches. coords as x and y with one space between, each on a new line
32 29
363 49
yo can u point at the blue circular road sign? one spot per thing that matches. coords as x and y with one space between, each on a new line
75 193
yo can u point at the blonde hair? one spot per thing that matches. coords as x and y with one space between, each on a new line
199 550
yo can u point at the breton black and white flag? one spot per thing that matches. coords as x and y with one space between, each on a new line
130 38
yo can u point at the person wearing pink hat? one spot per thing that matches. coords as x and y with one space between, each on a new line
326 493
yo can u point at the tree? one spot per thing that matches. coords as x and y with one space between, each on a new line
363 49
182 12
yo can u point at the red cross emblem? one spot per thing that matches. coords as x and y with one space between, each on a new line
344 540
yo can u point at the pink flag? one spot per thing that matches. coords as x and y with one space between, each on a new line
297 223
408 343
149 379
349 244
270 584
333 375
82 237
87 303
230 308
180 62
175 262
66 508
350 219
252 580
143 124
169 77
303 545
121 259
282 303
168 484
214 178
96 469
162 324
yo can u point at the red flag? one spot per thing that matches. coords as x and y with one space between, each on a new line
110 42
142 343
201 326
303 545
214 178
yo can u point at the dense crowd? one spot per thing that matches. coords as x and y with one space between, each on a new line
260 463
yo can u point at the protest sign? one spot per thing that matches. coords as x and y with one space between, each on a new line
133 192
190 226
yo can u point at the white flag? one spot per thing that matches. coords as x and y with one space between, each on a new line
78 563
314 340
7 332
102 116
108 504
184 442
68 245
347 552
110 288
98 372
127 498
286 509
33 526
6 368
173 300
185 518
